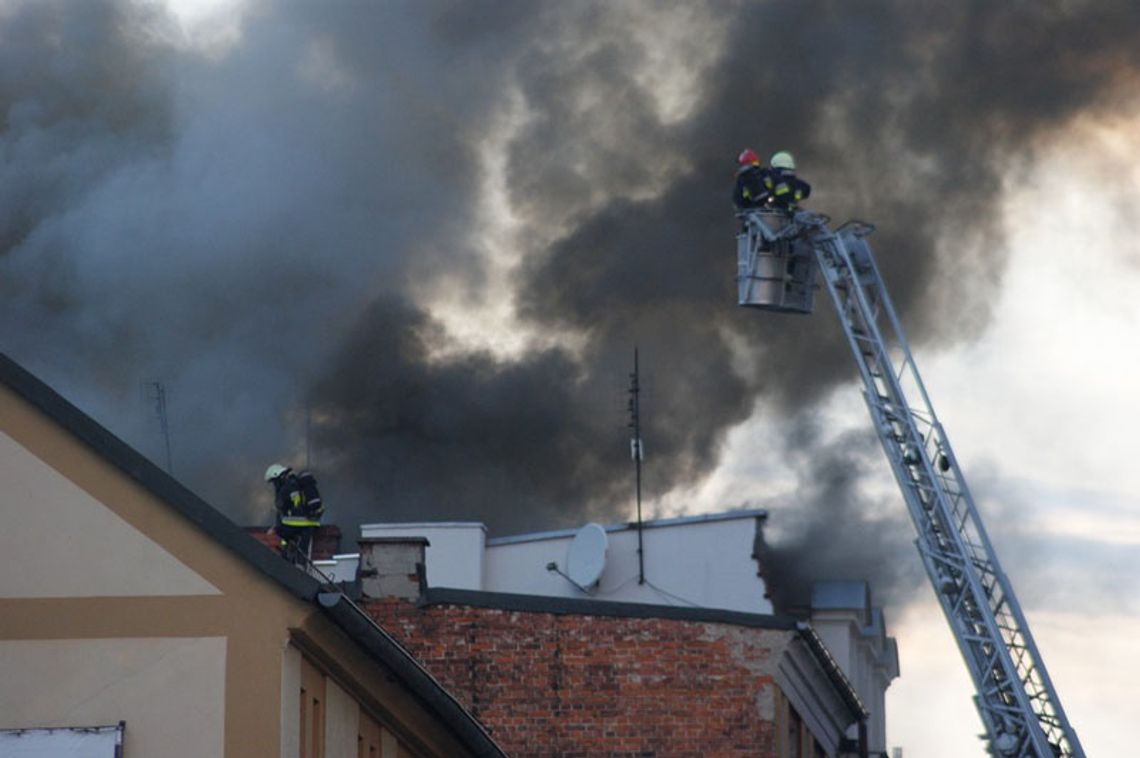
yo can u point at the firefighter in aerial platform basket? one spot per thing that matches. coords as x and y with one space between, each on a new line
775 269
774 186
774 190
749 191
298 507
784 189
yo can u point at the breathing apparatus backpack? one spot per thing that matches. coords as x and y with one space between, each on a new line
311 504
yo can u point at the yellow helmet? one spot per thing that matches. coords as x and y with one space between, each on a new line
783 159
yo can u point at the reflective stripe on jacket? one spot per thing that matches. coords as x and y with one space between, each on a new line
298 521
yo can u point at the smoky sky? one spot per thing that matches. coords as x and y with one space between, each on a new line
255 226
834 528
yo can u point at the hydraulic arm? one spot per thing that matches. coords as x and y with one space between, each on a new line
777 258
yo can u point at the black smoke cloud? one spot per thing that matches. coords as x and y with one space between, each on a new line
535 446
835 527
255 225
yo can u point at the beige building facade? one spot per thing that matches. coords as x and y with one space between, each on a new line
125 598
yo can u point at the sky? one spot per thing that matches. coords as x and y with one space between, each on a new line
415 245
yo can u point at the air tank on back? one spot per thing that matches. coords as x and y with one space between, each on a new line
774 273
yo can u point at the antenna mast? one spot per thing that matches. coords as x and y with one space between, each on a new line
308 434
637 452
164 426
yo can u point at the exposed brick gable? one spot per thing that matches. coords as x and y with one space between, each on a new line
548 684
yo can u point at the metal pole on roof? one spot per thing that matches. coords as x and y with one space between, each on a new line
637 452
164 426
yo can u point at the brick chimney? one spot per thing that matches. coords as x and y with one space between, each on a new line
392 567
326 542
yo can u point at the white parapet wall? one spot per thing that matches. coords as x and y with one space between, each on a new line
702 561
340 568
699 561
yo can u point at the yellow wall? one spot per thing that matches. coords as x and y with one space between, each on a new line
342 723
170 692
71 545
114 606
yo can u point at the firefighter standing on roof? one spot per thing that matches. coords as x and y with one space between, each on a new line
298 509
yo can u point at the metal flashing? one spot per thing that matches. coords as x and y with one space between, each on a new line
845 595
834 672
424 524
413 539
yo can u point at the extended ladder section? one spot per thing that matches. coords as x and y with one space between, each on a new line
1015 697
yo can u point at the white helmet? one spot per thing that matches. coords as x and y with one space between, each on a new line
783 159
275 471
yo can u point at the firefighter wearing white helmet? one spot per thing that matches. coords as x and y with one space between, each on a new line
785 189
298 509
274 471
783 159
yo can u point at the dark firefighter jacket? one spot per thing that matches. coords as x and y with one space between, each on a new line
292 507
786 189
749 191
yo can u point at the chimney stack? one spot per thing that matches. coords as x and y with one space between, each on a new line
392 567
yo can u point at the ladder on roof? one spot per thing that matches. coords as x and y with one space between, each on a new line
1015 698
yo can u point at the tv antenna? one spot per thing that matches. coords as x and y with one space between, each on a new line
637 452
158 394
308 434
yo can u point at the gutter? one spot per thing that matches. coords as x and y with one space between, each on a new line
838 679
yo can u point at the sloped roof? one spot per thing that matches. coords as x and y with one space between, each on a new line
366 633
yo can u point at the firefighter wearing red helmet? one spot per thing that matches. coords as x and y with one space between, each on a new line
749 191
774 186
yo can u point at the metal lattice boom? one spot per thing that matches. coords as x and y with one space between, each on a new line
1015 697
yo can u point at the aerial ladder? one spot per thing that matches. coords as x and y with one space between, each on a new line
780 256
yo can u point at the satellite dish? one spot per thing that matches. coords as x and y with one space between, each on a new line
586 558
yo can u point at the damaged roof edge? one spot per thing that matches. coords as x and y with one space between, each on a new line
166 488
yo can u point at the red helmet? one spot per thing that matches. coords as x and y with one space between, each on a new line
748 157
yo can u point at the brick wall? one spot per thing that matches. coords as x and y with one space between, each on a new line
578 685
326 542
